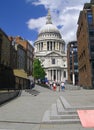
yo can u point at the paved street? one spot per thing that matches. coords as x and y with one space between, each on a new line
26 112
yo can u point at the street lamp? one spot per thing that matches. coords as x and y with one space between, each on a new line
73 74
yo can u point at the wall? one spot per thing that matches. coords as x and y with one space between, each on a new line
7 96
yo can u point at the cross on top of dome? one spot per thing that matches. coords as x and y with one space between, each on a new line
49 20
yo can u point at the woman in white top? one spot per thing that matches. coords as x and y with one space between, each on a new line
62 86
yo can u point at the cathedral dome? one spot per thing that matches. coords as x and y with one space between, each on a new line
49 28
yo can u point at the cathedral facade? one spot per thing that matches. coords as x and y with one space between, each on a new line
50 50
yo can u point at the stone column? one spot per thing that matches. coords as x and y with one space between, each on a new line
52 45
41 46
60 76
38 46
56 74
59 46
55 45
52 75
62 73
73 76
49 74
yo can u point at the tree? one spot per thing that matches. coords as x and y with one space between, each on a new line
38 71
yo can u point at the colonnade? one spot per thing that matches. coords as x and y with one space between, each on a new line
39 46
55 75
51 45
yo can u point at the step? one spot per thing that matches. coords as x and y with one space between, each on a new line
70 108
83 107
67 120
46 116
61 114
53 110
73 116
59 106
61 110
62 121
65 104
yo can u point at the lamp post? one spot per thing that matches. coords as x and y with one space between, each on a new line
73 74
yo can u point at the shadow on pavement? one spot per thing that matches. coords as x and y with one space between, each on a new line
33 92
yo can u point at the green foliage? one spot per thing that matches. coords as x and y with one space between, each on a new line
38 71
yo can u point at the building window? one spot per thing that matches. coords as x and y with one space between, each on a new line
92 48
53 61
89 18
74 49
92 65
91 33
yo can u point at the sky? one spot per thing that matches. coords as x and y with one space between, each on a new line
26 17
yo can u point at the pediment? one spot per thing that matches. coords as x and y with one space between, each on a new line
53 54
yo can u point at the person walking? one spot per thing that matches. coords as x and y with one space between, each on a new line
51 85
54 86
62 86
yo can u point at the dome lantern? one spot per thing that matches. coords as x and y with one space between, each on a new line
49 20
49 28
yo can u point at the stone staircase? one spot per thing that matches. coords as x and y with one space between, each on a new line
61 112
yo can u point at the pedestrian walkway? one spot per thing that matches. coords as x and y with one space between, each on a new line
27 111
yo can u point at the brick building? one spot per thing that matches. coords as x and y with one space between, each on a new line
13 53
7 79
25 53
85 38
72 60
29 49
4 49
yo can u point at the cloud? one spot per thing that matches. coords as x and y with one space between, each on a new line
36 23
64 13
